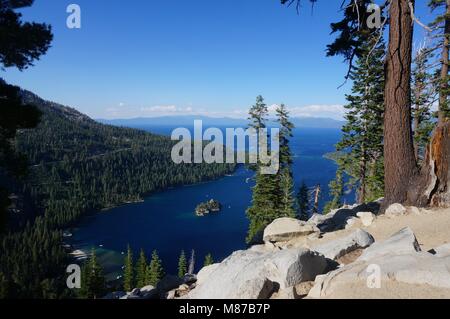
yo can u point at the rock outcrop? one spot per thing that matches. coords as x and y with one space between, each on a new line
398 259
147 292
442 251
253 275
340 218
395 210
298 259
367 218
340 247
284 229
403 242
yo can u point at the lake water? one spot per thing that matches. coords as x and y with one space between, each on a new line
166 221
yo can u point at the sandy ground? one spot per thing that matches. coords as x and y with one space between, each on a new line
432 229
390 290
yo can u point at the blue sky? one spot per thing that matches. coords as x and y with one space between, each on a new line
145 58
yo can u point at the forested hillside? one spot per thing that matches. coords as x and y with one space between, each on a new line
77 161
78 165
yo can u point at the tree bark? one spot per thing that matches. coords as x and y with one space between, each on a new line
443 93
432 186
400 163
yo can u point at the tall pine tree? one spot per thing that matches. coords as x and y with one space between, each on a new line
128 272
22 43
182 265
287 201
93 283
441 30
336 191
155 270
361 147
266 191
303 202
423 92
141 270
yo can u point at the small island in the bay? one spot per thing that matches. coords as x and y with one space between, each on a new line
205 208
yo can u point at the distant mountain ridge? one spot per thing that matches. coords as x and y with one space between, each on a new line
188 120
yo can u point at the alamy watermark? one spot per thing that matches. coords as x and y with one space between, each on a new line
74 279
374 20
239 146
374 277
74 19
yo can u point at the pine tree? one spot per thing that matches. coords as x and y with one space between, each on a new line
85 281
336 191
128 273
286 202
303 202
423 98
208 260
361 147
22 43
266 191
93 283
155 271
441 30
400 166
286 128
258 114
182 265
141 270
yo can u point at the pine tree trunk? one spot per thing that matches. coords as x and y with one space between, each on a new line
432 186
400 163
443 97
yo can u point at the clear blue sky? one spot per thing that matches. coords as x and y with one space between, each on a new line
141 58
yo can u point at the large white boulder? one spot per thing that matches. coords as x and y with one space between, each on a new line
343 217
367 218
285 229
255 288
317 219
396 210
397 259
443 251
403 242
416 269
251 275
204 273
337 248
351 222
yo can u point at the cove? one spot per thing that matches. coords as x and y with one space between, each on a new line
166 221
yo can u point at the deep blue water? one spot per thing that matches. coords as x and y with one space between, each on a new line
166 221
